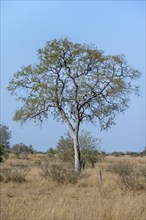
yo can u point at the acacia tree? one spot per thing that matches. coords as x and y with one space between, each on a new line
75 83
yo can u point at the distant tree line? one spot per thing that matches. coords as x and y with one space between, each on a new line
130 153
89 145
22 148
5 149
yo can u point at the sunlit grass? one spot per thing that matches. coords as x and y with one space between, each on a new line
89 198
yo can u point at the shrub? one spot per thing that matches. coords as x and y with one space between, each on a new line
65 149
22 148
16 173
89 148
2 153
51 152
133 154
59 174
130 176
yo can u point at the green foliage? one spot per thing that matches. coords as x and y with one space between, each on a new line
22 148
133 154
51 152
117 153
89 147
75 83
5 135
2 153
58 173
72 80
65 148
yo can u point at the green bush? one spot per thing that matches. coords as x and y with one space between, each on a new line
65 148
89 148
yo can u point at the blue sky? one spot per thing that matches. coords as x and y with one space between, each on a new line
113 26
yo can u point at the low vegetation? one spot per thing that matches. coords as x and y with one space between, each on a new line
58 173
131 176
16 173
43 187
89 148
3 153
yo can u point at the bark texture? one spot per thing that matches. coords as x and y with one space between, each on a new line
77 152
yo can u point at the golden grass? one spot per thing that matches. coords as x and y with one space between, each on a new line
88 199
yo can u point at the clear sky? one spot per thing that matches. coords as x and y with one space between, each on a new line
113 26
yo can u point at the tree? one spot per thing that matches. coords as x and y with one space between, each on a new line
89 147
22 148
5 136
51 152
65 148
75 83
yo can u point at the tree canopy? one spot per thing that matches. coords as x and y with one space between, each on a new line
71 77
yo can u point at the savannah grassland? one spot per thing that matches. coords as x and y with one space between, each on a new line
88 198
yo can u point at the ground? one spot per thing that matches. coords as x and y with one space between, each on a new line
88 198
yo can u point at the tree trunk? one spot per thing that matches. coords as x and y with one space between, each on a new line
77 152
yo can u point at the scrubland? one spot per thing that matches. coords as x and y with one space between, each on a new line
113 190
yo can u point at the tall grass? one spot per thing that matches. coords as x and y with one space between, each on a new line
43 198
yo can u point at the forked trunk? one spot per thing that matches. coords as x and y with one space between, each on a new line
77 152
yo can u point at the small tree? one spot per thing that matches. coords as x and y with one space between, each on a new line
117 153
75 83
89 147
65 148
5 136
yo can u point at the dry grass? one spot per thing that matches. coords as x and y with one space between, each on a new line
88 199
